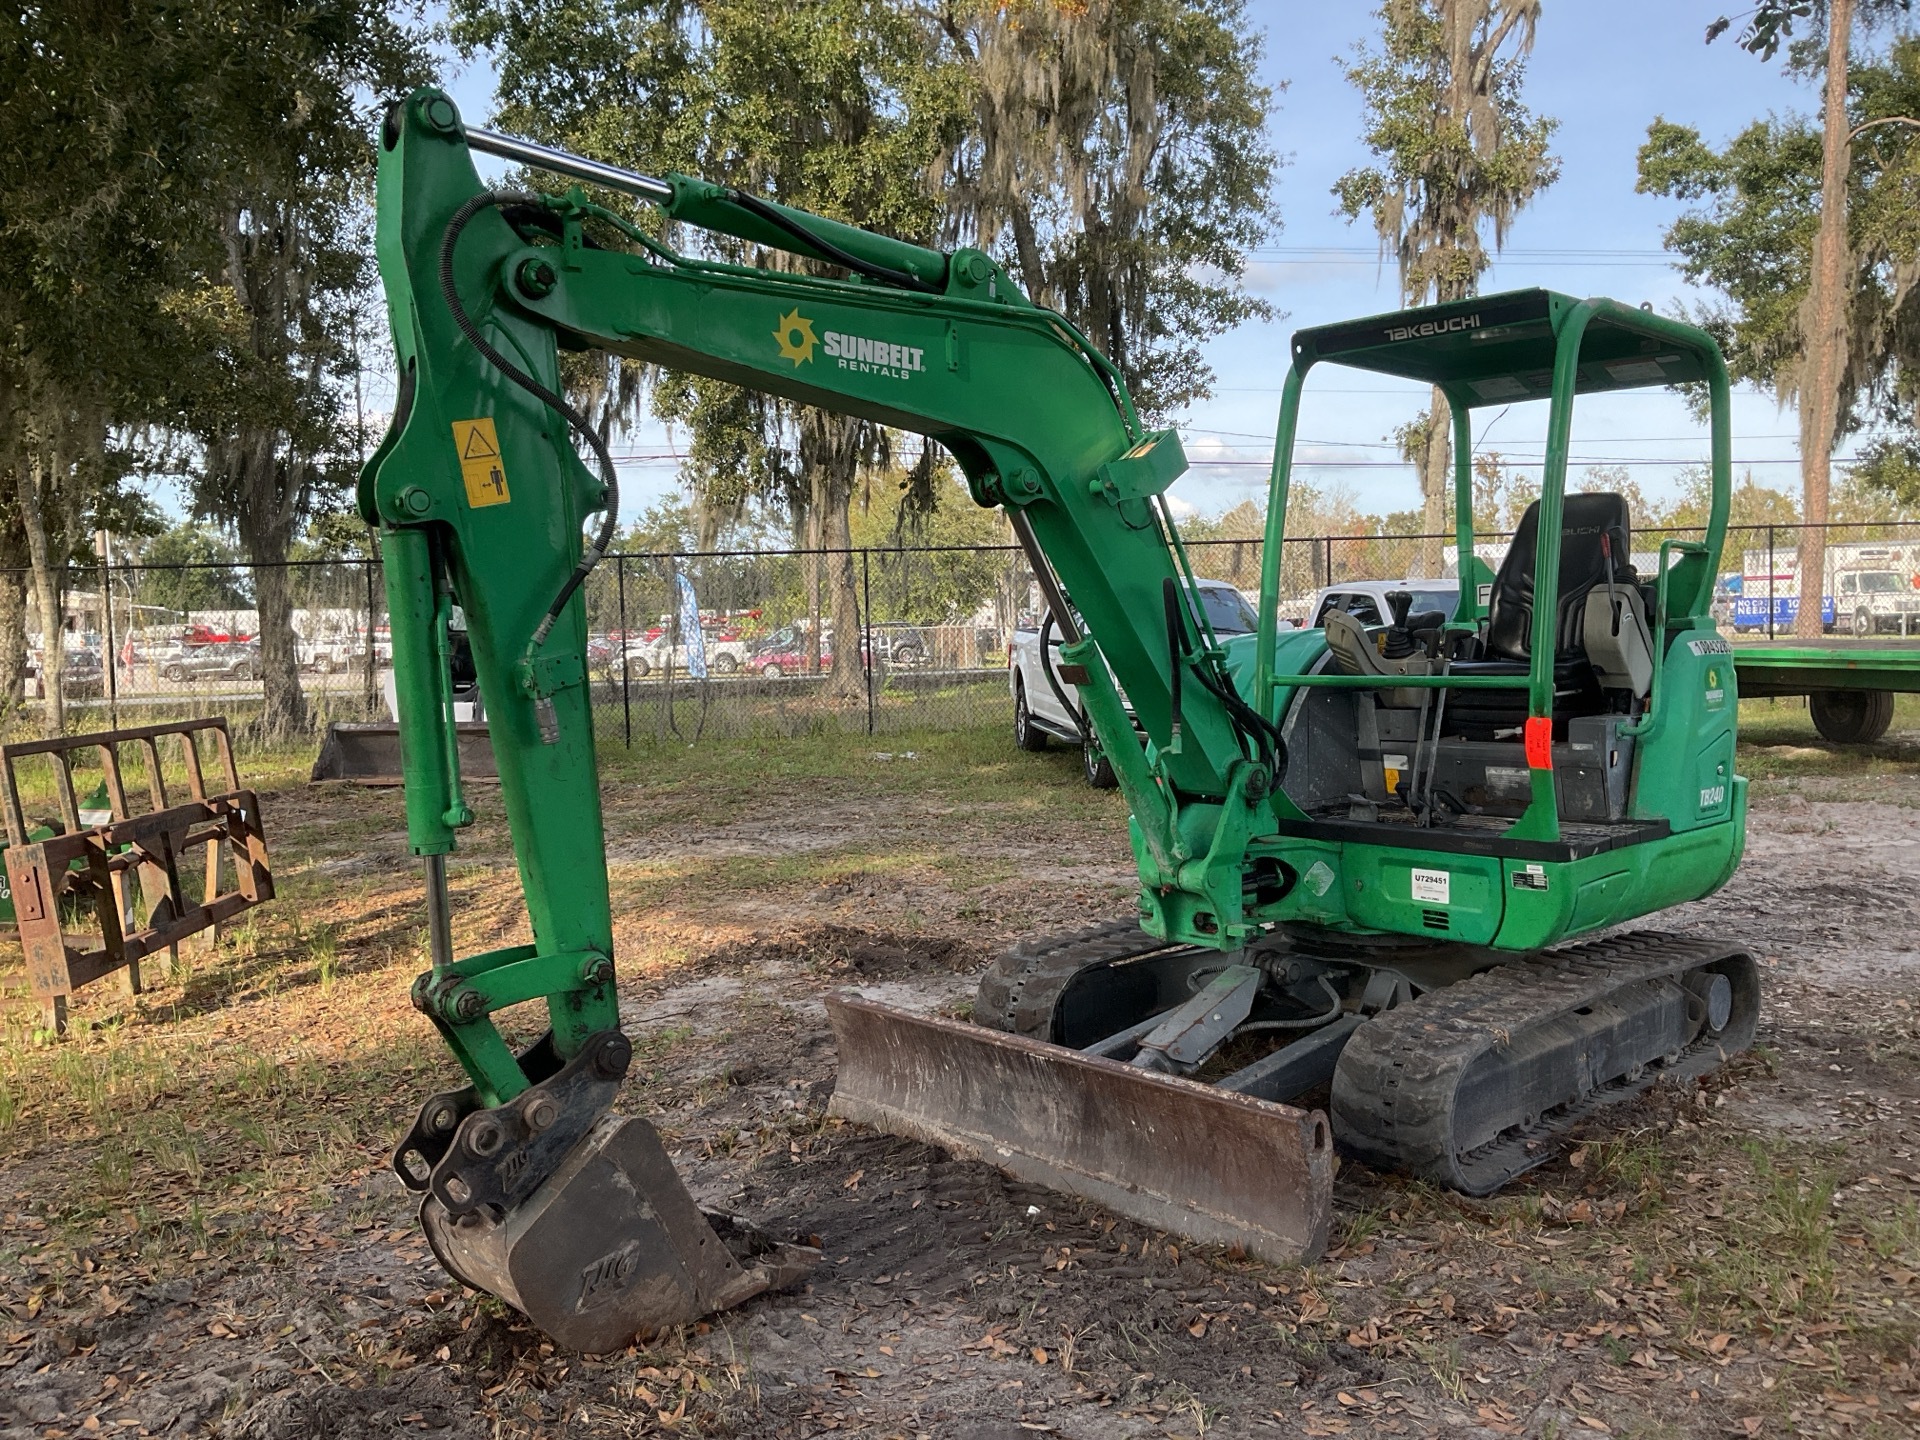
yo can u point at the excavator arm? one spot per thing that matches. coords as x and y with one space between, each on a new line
531 1187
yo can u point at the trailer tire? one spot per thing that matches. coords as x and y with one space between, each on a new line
1851 717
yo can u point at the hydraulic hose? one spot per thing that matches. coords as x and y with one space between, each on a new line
596 550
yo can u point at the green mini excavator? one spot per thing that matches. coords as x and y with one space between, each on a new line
1361 849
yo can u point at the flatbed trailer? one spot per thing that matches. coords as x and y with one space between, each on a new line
1849 684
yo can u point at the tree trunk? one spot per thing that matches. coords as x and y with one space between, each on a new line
285 711
849 678
1823 323
13 616
1435 469
34 487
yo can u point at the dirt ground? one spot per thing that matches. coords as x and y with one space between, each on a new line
198 1234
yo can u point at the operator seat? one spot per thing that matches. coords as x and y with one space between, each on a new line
1595 551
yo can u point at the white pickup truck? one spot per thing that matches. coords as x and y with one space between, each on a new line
1039 714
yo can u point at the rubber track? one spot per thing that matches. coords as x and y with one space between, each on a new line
1019 991
1393 1095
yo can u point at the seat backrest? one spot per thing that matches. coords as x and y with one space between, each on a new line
1616 639
1584 519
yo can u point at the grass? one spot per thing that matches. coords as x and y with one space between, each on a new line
1778 746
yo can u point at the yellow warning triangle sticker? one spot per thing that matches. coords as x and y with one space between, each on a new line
478 445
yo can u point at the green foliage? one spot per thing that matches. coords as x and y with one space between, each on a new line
183 251
1772 22
1458 152
1753 239
1457 149
194 545
938 585
1750 236
1118 157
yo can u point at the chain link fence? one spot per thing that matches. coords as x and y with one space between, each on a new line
737 643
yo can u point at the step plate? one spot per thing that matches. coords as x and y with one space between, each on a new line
1210 1166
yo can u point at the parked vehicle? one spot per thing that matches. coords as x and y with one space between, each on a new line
901 642
236 661
785 651
328 657
1869 587
1046 707
1870 602
726 654
82 676
1366 600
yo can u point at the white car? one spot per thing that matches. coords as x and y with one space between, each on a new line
1046 707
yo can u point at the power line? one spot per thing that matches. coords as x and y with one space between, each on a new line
1622 461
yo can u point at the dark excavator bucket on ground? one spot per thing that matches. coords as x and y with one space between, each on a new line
1212 1166
612 1246
370 754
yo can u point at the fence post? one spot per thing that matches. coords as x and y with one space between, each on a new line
367 700
1327 544
866 629
626 683
1770 568
111 655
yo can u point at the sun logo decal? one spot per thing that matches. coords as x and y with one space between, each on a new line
796 338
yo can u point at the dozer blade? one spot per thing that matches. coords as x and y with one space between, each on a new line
611 1246
1206 1164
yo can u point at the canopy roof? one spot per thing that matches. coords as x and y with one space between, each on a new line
1496 349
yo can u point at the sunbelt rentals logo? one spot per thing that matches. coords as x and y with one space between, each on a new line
865 354
796 337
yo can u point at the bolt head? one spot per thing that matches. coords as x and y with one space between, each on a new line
537 278
468 1005
441 115
616 1054
541 1112
415 501
485 1137
444 1119
597 971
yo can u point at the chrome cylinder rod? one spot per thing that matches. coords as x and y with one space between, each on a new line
439 914
577 167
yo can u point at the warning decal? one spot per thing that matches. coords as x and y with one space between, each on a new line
478 447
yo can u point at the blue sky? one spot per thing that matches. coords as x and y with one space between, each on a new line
1604 69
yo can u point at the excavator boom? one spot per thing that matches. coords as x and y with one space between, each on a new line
532 1188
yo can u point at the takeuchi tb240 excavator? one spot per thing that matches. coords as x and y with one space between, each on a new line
1360 850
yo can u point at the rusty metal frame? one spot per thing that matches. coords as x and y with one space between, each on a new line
142 849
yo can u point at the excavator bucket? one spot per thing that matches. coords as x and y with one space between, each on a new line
611 1246
370 754
1213 1166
